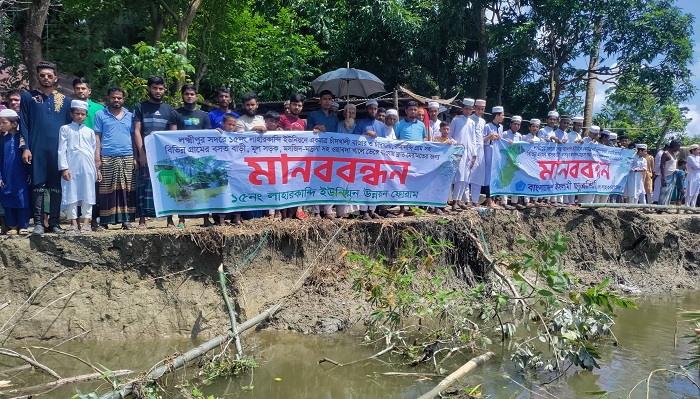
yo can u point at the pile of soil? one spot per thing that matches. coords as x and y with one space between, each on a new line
164 282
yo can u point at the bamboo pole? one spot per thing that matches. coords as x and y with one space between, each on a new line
231 313
641 206
456 375
70 380
192 354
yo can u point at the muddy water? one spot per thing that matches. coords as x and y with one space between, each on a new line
289 369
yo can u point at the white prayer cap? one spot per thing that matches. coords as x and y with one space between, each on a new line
350 106
692 146
497 110
605 133
433 104
8 113
613 136
578 119
79 104
644 146
516 118
372 102
468 101
553 113
335 105
392 112
480 102
535 122
595 129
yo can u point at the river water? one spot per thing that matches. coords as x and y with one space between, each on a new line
288 364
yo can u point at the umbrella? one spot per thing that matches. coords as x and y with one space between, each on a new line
349 82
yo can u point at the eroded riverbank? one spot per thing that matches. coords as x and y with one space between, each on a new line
159 283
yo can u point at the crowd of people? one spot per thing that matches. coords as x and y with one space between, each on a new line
86 159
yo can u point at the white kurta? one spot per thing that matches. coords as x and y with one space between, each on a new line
589 140
561 135
572 137
458 133
545 133
529 137
475 130
512 136
635 180
488 151
76 152
434 128
693 178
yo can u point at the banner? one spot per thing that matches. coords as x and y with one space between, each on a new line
548 169
204 171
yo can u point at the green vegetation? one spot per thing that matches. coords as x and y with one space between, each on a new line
527 299
193 179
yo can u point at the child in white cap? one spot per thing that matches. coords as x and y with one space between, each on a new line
77 148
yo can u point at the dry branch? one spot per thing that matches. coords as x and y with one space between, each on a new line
31 361
71 380
456 375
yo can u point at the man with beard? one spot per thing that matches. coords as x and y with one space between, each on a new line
82 90
42 113
370 126
149 116
290 120
323 120
116 195
250 121
223 100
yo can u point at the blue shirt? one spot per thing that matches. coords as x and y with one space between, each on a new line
410 131
216 117
330 121
369 124
115 133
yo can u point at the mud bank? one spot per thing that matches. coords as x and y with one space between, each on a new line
125 285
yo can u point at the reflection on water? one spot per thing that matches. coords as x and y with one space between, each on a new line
289 364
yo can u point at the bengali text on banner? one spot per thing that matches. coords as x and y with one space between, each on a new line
547 169
204 171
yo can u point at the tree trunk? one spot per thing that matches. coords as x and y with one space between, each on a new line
31 44
157 22
183 32
501 81
483 52
554 88
591 79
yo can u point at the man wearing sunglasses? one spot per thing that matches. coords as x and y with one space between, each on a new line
42 113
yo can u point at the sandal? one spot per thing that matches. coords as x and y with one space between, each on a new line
126 226
23 232
11 233
72 229
86 230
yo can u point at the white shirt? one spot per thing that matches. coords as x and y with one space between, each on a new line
246 123
545 133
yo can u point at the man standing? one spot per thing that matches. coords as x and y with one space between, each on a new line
475 130
250 121
593 135
634 188
42 113
188 117
547 133
223 100
381 114
116 195
460 188
82 90
392 118
370 126
323 120
290 120
667 172
574 136
149 116
561 135
433 121
410 129
492 133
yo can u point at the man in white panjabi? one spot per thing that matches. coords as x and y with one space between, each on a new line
604 140
434 122
511 136
492 134
475 130
77 147
458 133
657 174
574 136
634 188
547 133
693 178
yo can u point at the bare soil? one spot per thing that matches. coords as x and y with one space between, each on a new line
163 282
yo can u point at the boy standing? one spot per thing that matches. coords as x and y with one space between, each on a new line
77 152
14 174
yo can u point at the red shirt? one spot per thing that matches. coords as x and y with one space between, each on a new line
292 122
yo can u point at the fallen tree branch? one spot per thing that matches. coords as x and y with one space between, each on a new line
70 380
456 375
31 361
376 355
397 374
4 305
192 354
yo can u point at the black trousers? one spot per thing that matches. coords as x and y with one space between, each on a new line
54 204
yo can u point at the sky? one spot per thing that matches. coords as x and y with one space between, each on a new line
693 104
